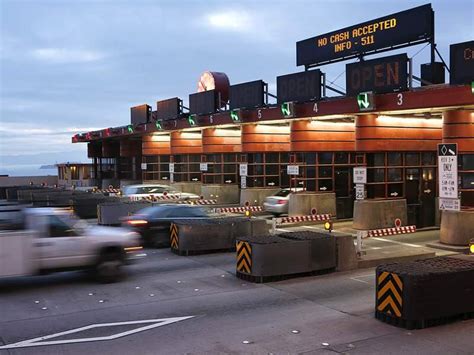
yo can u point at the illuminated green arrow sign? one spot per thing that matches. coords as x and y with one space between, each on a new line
158 125
130 128
234 115
192 120
365 101
287 109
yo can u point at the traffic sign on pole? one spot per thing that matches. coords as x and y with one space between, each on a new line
448 177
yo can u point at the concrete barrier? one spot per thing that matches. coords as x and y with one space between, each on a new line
457 227
224 194
193 236
189 187
256 196
270 258
85 206
426 292
301 203
377 214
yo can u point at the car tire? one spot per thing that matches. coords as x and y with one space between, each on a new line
109 268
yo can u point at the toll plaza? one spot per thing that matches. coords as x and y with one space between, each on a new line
240 143
381 181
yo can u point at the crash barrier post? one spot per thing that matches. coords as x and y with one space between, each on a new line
425 293
383 232
198 202
298 219
269 258
239 209
111 191
199 236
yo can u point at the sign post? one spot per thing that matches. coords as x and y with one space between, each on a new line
243 171
448 177
360 179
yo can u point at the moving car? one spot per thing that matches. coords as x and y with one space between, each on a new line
153 223
277 204
138 192
55 240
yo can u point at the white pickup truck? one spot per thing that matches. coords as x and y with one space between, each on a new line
55 240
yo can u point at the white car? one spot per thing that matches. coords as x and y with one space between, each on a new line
277 203
55 240
140 192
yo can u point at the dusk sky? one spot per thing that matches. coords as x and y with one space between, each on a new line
73 66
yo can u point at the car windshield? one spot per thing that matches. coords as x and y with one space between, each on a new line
283 193
73 221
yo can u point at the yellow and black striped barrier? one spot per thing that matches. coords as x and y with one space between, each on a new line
425 293
174 239
389 294
244 257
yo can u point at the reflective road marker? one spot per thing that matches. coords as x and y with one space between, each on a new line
41 340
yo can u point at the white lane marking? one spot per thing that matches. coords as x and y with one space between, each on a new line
40 341
397 242
356 278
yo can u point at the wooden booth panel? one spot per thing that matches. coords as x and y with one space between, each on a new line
94 149
110 149
308 136
385 133
130 148
458 127
265 138
154 144
219 140
186 143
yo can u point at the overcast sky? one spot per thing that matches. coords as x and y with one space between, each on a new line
70 66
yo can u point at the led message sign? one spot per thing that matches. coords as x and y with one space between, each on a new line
403 28
168 109
247 95
379 75
304 86
203 103
461 63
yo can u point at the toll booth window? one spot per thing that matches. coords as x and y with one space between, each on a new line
376 191
467 162
341 158
325 185
412 159
394 159
271 158
157 167
271 169
394 175
376 175
325 158
325 171
467 181
284 158
310 158
310 172
428 158
377 159
395 190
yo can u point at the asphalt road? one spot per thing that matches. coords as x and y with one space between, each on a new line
319 315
